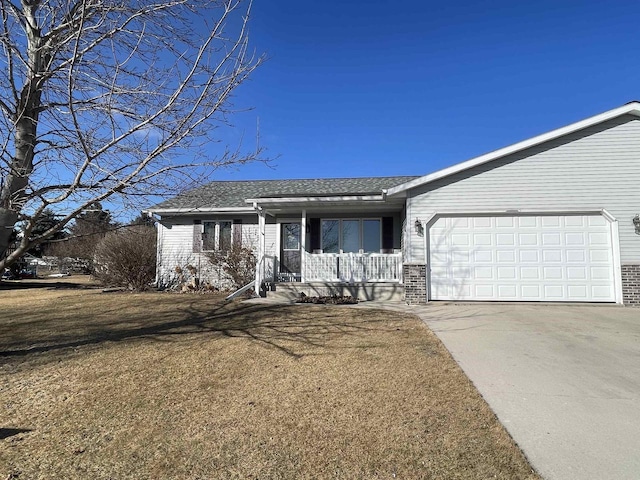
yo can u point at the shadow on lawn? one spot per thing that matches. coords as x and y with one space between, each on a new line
48 284
10 432
278 326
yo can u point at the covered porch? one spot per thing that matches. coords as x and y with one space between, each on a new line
331 243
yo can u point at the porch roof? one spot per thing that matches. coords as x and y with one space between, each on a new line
222 196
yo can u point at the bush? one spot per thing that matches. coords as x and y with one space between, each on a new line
127 257
238 263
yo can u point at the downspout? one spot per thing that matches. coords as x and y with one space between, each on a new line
159 237
303 245
427 276
261 248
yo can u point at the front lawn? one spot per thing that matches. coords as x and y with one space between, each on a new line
96 385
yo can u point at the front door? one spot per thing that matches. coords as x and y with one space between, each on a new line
290 252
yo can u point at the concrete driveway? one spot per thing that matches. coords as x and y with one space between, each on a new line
563 379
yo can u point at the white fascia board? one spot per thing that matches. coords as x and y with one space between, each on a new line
632 108
524 211
518 212
345 198
196 211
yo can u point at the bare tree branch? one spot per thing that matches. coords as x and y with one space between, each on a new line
103 99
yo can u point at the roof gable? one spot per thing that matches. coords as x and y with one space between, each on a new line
631 108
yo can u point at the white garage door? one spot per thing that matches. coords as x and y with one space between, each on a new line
526 258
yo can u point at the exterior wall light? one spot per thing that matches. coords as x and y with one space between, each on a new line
418 226
636 223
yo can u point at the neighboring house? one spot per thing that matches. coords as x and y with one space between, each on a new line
552 218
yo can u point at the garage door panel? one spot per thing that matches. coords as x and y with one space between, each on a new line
577 256
483 256
531 258
600 273
552 273
482 222
505 239
549 239
527 222
530 273
528 239
575 239
508 292
530 292
460 256
506 256
459 222
482 273
552 256
439 257
600 256
578 292
484 292
576 273
598 239
576 221
551 221
462 273
460 240
505 222
482 239
601 292
506 273
440 291
554 292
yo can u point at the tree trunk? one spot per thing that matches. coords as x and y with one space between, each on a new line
7 220
26 122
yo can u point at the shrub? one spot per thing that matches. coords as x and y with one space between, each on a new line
127 257
238 264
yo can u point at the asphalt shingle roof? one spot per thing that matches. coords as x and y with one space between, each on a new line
226 194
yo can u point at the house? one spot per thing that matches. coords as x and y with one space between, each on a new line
551 218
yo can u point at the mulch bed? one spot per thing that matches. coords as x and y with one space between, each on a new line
332 299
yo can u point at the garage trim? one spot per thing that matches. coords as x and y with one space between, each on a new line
613 225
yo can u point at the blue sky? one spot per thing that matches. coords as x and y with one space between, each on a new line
355 88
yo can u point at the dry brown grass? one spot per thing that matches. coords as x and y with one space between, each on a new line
185 386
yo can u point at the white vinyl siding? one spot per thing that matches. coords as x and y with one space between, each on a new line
175 247
270 233
598 168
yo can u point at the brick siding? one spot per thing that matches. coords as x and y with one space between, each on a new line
415 283
631 284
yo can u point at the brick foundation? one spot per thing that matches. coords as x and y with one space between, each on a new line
631 284
415 283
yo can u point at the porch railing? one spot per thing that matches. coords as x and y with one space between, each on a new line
352 267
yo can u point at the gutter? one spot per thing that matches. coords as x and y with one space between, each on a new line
196 211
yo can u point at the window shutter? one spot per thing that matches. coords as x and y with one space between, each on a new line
197 236
314 231
237 232
387 233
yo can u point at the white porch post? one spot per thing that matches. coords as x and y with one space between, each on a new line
261 250
303 244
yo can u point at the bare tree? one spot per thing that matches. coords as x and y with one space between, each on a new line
101 99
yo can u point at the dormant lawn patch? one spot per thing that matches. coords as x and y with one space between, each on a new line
161 385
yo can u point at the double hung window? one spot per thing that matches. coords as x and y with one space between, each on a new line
217 236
